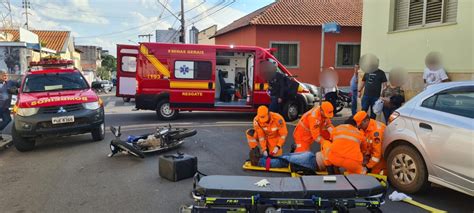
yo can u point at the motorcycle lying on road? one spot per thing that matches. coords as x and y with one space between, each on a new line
338 99
164 139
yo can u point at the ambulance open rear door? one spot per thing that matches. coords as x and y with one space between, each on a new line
126 71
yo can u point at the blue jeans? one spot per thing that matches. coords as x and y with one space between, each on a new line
274 105
354 102
387 111
369 101
5 115
304 159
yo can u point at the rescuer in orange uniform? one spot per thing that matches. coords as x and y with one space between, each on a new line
271 131
372 148
314 126
345 151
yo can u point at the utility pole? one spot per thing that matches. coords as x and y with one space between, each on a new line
26 5
182 37
149 35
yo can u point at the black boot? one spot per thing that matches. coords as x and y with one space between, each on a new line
331 170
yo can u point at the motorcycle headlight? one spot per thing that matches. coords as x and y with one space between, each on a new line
91 105
26 111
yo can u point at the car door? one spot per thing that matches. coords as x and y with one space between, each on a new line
126 70
192 84
444 124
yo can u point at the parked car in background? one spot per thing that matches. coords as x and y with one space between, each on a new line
107 85
102 86
430 140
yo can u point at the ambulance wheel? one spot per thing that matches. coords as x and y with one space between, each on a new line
290 111
407 170
98 133
22 144
164 111
126 100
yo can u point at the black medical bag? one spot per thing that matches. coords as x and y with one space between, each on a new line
178 166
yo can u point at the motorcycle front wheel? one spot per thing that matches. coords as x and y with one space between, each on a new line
129 148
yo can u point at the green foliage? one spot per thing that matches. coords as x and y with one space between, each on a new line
103 73
109 62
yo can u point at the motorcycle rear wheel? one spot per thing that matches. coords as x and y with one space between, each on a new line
182 133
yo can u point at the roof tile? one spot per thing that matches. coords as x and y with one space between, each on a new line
54 40
302 13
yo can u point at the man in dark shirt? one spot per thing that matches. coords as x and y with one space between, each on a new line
374 82
276 85
7 88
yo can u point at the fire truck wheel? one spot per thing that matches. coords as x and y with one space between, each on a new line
98 133
290 111
126 100
164 111
22 144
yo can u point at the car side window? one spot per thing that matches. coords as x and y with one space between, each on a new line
429 102
197 70
456 101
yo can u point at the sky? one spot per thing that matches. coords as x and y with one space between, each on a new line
106 23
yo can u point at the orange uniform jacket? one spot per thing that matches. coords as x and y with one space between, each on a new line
271 134
346 143
311 127
373 145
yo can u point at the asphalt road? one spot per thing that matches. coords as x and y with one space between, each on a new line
73 174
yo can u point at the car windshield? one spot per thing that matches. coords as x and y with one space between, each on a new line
54 81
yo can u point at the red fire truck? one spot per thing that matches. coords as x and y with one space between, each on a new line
170 78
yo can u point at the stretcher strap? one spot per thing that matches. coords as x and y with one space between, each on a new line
268 163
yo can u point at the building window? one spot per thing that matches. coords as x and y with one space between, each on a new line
197 70
347 55
420 13
287 53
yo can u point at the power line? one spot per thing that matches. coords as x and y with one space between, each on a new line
119 32
209 9
80 11
164 6
233 1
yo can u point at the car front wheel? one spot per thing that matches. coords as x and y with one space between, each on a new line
165 112
290 111
22 144
98 133
407 170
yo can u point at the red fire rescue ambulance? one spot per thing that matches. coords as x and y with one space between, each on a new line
54 99
170 78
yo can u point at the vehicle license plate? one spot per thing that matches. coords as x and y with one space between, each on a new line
63 119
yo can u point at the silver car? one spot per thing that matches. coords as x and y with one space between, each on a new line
430 139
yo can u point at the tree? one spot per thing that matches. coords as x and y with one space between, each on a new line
109 62
103 73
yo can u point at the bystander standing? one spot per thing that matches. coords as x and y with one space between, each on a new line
7 88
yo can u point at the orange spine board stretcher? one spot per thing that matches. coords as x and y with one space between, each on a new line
248 166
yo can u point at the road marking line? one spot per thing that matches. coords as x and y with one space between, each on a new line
108 105
233 122
184 126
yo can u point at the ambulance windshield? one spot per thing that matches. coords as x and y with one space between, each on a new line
54 82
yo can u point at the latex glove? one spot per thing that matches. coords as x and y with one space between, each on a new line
364 170
262 183
275 150
397 196
265 153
